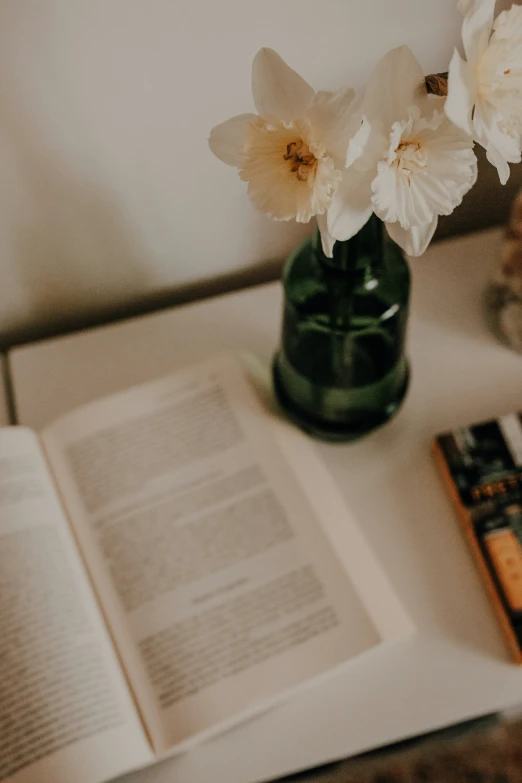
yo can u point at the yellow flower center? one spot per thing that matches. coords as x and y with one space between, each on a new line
411 158
288 178
302 162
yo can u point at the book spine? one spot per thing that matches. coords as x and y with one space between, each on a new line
478 554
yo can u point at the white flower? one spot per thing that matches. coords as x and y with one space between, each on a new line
429 167
485 93
293 151
407 163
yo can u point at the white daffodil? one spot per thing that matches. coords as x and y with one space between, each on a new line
293 151
485 92
407 163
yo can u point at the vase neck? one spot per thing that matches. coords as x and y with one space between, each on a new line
362 252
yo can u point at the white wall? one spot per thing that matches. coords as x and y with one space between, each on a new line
108 190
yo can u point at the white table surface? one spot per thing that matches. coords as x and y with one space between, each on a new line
456 666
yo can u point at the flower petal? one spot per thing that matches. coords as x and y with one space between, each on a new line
327 240
501 148
508 24
396 83
335 118
500 163
416 239
351 205
393 199
277 89
358 142
476 27
461 93
226 139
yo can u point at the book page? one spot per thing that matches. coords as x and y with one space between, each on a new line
220 585
65 711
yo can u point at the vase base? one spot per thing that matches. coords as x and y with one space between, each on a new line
336 432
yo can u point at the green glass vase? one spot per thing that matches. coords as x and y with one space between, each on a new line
341 369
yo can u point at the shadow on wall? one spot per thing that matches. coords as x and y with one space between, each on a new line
74 247
70 236
79 261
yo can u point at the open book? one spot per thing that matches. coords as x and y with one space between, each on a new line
173 560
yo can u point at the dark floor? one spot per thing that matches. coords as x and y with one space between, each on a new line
488 750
